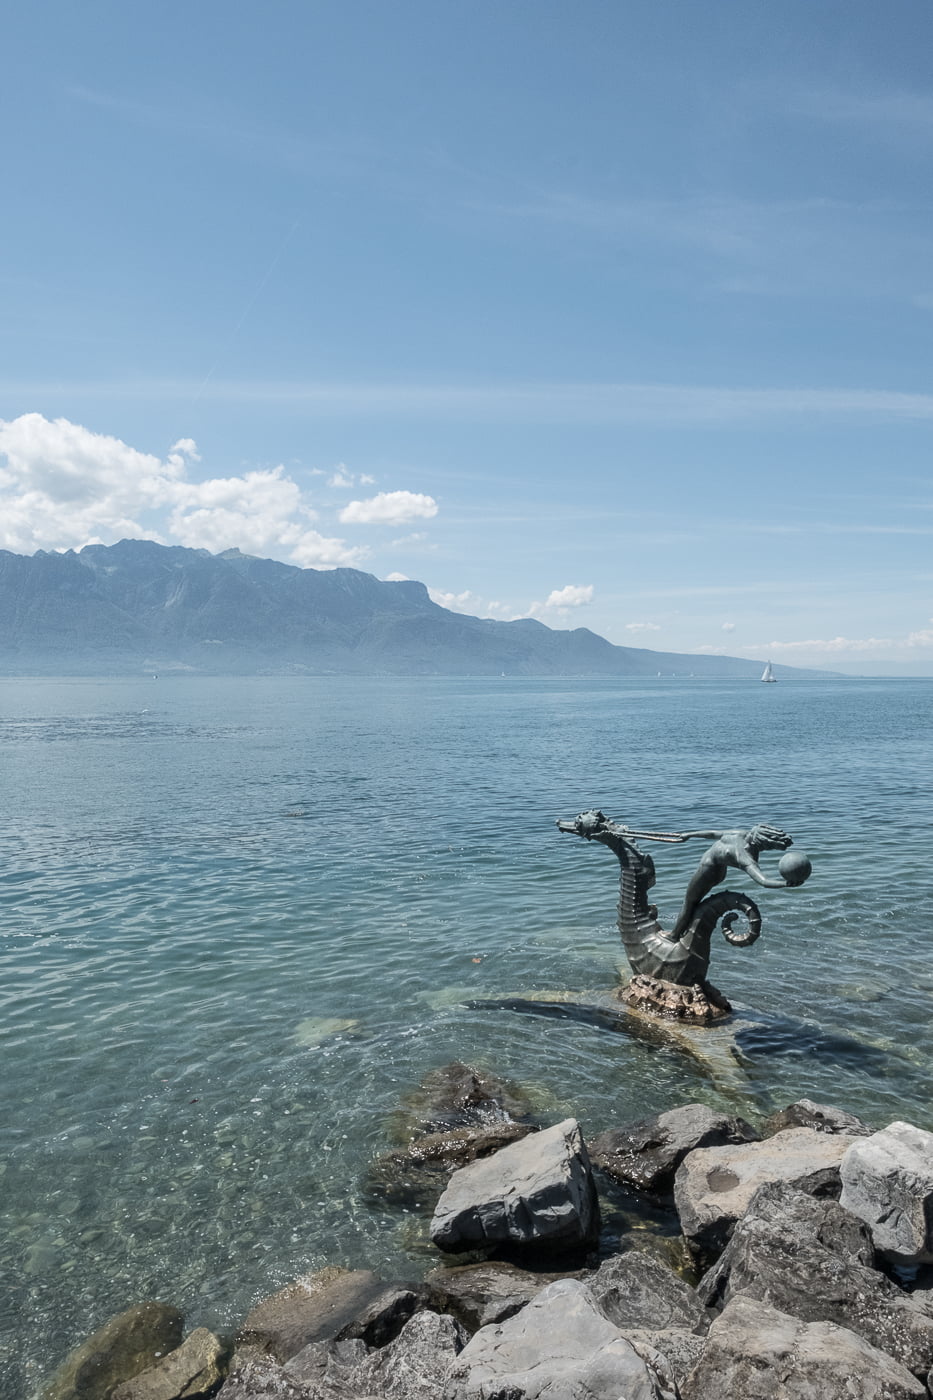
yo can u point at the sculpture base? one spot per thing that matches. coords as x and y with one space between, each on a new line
699 1005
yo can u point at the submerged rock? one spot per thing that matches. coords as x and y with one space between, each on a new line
416 1175
646 1154
335 1303
457 1114
535 1192
126 1345
193 1370
459 1096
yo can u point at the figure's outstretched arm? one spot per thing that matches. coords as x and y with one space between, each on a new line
752 868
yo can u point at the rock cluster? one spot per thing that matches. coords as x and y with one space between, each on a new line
802 1296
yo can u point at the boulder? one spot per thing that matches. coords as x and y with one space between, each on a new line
327 1368
330 1304
560 1346
646 1154
755 1352
416 1364
411 1367
478 1294
813 1260
636 1289
192 1370
887 1181
257 1376
679 1348
537 1192
127 1344
714 1185
819 1116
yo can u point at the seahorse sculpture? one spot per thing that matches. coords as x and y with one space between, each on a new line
682 955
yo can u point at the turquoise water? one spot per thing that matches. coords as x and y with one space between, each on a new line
241 917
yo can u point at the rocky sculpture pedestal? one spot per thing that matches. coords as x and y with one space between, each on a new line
699 1005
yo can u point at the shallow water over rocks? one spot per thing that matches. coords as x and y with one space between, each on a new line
240 919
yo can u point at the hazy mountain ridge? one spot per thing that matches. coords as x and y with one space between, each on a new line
136 604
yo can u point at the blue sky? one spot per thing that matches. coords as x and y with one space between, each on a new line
617 314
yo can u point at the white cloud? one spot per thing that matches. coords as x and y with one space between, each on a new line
63 486
642 627
389 508
396 578
728 626
574 595
465 602
341 477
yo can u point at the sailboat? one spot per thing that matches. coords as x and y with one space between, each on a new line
768 675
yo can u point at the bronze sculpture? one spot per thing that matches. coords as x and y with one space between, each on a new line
670 968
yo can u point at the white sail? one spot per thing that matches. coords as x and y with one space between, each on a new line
767 674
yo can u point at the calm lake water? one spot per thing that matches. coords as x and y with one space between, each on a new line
240 918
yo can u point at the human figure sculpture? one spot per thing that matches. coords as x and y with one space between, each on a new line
681 956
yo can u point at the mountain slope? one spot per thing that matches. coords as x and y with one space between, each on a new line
135 605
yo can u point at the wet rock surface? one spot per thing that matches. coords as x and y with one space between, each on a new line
823 1118
191 1371
537 1192
129 1343
329 1304
646 1154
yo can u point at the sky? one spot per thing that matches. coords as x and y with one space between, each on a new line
618 314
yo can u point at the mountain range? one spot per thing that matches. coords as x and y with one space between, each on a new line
136 605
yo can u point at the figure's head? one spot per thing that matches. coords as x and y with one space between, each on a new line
769 838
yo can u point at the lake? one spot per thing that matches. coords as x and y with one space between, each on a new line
242 917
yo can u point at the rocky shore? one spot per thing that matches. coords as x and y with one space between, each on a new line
803 1270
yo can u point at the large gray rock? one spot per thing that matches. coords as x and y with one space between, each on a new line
331 1303
257 1376
819 1116
192 1370
561 1346
411 1367
887 1181
636 1289
535 1192
129 1343
714 1185
813 1259
646 1154
755 1352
